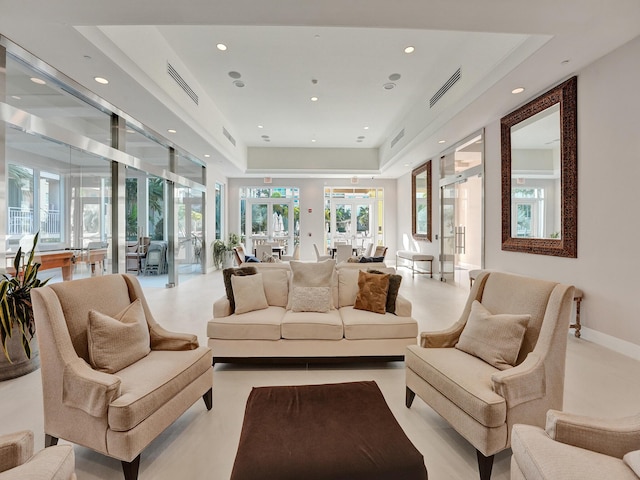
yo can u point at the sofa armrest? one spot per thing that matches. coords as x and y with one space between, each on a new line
442 338
15 449
522 383
162 339
52 463
613 437
221 307
88 390
403 307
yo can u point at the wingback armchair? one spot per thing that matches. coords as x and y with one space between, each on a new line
483 398
17 461
577 447
101 390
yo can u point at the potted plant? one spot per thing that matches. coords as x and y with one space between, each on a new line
222 252
17 325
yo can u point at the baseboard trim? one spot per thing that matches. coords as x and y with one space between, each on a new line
616 344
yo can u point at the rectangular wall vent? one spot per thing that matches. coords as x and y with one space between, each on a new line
229 137
181 83
445 88
397 138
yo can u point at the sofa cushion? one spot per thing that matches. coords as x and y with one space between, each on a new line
227 273
151 382
311 299
248 292
632 460
372 292
496 339
256 325
312 325
116 342
360 324
464 379
311 274
394 289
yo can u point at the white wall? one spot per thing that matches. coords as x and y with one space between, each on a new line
312 197
608 264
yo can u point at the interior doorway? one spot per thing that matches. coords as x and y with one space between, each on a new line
462 210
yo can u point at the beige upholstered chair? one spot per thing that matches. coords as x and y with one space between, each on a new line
17 461
343 252
264 251
295 256
479 400
577 447
117 414
380 251
238 254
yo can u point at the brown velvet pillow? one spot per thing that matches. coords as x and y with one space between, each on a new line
394 288
372 292
227 273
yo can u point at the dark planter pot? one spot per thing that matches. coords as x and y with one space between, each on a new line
21 364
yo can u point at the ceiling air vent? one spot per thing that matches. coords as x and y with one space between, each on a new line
445 88
397 138
229 137
181 83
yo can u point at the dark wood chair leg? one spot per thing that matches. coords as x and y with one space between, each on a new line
485 464
130 469
50 441
409 396
208 399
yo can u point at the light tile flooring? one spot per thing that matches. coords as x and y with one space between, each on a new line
202 445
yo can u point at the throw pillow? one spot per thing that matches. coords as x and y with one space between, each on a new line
117 342
310 274
227 273
394 288
250 259
371 260
372 292
311 299
496 339
248 292
266 258
354 259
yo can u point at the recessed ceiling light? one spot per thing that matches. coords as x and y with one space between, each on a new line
361 137
394 77
260 126
233 74
564 62
264 136
171 130
238 83
206 155
16 97
366 128
409 49
441 141
515 91
389 86
37 80
221 46
407 164
314 99
313 140
101 80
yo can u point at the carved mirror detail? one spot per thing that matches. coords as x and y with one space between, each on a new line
421 202
540 174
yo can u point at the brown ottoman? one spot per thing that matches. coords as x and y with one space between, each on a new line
324 432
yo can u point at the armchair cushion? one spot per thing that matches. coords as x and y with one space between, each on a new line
117 342
496 339
249 293
52 463
15 449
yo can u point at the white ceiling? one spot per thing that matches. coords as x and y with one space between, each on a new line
351 48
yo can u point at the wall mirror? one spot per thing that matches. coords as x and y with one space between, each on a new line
421 202
540 174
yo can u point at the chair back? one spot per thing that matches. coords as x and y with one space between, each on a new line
296 252
238 253
343 253
262 250
368 250
108 294
315 248
381 251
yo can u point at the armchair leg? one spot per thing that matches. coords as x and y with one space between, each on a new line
130 469
485 464
208 399
50 441
410 395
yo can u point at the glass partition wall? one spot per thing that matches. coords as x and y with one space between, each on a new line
63 152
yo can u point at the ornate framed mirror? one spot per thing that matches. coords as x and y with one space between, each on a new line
540 174
421 202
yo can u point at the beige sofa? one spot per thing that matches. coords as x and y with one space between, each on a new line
280 333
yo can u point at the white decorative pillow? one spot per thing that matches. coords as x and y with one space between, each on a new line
248 293
496 339
307 274
266 258
117 342
311 299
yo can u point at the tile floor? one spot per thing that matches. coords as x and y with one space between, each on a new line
202 445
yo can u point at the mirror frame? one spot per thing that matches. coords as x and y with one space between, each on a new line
566 94
425 167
